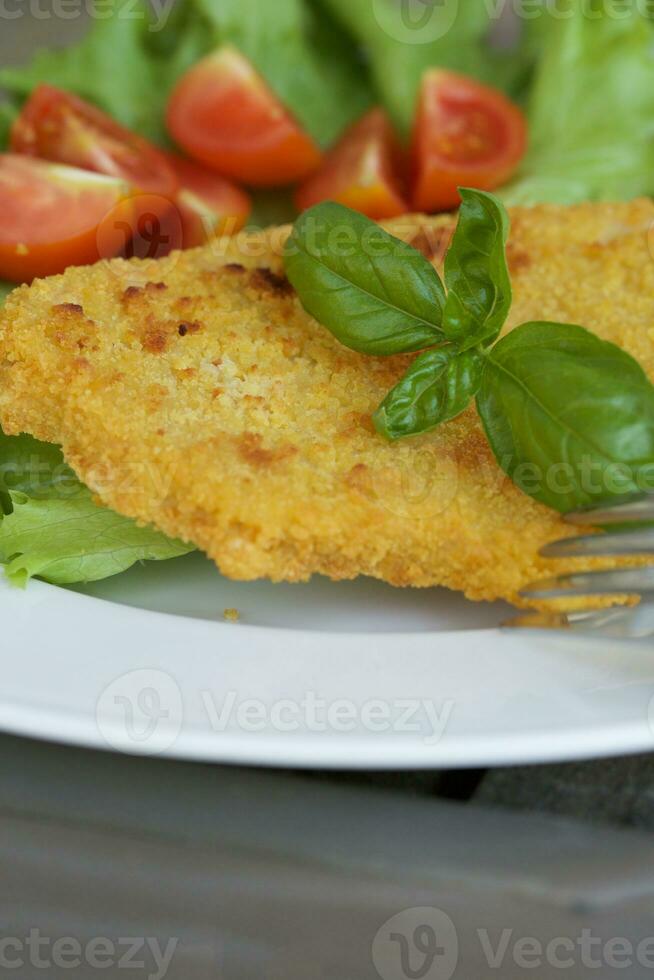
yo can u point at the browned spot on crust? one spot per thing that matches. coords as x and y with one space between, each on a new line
216 393
517 258
132 292
155 340
474 449
70 329
234 267
433 242
189 326
358 478
267 281
73 308
290 347
251 450
357 420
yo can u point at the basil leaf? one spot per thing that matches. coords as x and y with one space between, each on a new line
375 293
438 386
569 417
476 273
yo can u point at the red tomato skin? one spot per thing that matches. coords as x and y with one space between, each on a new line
224 115
363 171
150 228
58 126
52 216
465 135
208 204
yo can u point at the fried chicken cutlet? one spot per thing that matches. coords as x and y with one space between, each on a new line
196 394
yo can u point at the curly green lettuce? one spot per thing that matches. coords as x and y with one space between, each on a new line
591 108
51 528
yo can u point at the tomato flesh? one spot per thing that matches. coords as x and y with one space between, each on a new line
466 134
58 126
364 171
208 205
51 216
223 114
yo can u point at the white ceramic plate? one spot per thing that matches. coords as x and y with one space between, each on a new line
321 675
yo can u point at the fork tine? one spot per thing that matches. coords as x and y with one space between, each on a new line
620 622
619 581
639 509
636 542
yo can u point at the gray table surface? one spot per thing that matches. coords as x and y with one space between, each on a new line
254 874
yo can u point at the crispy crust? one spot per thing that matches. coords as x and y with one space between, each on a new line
195 393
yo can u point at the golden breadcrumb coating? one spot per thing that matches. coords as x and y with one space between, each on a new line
196 394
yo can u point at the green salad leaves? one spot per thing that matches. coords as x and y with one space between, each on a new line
569 417
50 526
590 107
401 40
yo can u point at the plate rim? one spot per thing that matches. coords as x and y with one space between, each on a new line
50 722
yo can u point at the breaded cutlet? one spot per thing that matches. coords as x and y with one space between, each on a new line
196 394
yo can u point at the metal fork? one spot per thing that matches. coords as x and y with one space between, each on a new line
628 536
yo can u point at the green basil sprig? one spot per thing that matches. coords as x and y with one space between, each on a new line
569 417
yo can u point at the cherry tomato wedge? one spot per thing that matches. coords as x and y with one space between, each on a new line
58 126
208 204
223 114
52 216
466 134
364 171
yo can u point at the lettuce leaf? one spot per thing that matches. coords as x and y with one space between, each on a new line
122 65
129 62
51 527
5 289
591 109
453 35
